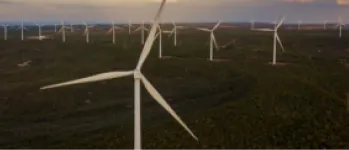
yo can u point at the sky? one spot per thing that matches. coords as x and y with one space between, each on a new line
121 11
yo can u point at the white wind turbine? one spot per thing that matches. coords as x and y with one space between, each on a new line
129 26
174 32
299 24
276 38
87 31
212 38
22 30
340 25
143 29
5 31
71 28
325 24
159 34
55 27
112 29
63 31
138 78
39 26
252 24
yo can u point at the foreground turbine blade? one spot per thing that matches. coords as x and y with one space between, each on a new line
155 94
151 37
94 78
279 41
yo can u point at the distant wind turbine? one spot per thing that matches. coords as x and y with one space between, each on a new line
172 32
212 38
5 31
55 27
22 30
325 25
87 32
252 24
299 24
340 25
138 79
63 31
159 34
276 38
71 28
129 27
143 29
112 29
39 26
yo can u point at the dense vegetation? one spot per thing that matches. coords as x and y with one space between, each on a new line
241 103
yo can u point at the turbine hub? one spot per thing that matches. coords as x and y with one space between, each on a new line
137 74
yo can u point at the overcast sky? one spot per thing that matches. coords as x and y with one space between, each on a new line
177 10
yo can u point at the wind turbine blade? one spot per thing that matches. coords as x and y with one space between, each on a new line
151 37
94 78
203 29
119 28
155 94
110 30
171 33
86 31
217 25
281 21
264 30
157 35
279 41
139 28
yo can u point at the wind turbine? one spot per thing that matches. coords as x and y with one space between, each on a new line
340 25
87 31
172 32
71 28
325 23
5 31
39 26
138 78
63 31
55 27
142 28
276 38
299 24
252 24
129 27
112 29
22 31
212 38
159 34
